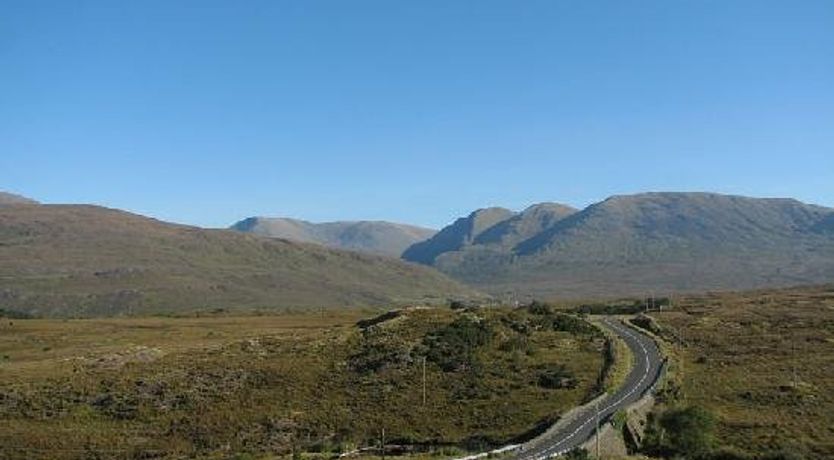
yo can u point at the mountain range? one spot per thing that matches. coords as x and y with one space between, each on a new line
634 244
81 260
376 237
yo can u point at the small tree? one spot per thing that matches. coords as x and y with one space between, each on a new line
577 454
539 308
689 431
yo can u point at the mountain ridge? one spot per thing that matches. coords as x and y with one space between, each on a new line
460 233
7 198
672 241
377 237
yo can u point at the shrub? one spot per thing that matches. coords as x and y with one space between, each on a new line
539 308
646 322
578 454
687 433
377 351
546 318
453 346
556 377
457 305
568 323
727 453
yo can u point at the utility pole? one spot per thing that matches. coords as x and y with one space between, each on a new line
424 381
598 433
682 358
383 443
793 361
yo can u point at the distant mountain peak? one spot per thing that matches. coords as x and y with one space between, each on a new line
526 224
549 206
459 234
378 237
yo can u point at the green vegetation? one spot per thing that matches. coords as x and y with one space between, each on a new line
454 346
686 432
578 454
621 307
548 318
556 377
289 385
13 314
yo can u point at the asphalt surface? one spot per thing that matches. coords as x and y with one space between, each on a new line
640 380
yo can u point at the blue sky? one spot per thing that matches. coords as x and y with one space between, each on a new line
206 112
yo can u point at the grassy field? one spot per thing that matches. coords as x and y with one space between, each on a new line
227 386
763 363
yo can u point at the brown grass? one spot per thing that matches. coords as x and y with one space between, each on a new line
228 385
762 361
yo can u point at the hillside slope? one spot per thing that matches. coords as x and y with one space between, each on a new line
377 237
7 198
87 260
630 245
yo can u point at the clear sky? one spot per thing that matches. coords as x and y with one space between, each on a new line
206 112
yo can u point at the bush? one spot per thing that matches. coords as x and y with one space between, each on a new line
453 346
727 453
556 377
646 322
539 308
568 323
457 305
578 454
624 307
378 350
561 322
686 433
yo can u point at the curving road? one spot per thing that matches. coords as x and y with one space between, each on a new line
640 380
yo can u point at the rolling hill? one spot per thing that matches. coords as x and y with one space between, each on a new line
377 237
630 245
79 260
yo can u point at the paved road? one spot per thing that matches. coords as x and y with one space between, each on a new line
641 379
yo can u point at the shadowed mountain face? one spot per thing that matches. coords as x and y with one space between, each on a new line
376 237
629 245
12 199
462 233
68 260
524 225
